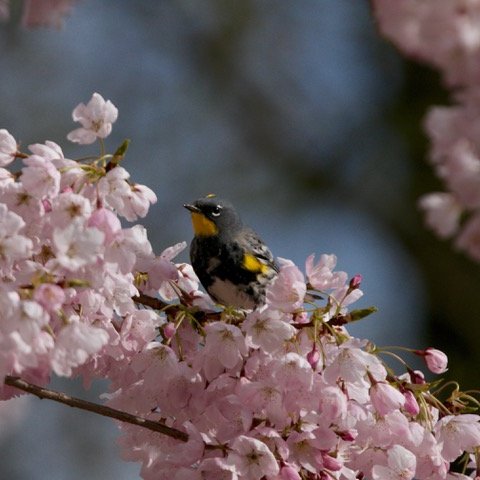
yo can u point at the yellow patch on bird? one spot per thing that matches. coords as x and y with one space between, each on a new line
202 226
253 264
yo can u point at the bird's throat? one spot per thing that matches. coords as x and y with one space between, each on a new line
202 226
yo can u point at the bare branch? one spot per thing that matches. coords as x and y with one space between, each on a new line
59 397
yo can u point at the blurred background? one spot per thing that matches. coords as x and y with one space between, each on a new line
299 113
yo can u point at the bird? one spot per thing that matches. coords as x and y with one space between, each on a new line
232 262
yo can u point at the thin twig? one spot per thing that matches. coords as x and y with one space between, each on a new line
41 392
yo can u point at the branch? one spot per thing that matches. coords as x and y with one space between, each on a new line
151 302
157 304
59 397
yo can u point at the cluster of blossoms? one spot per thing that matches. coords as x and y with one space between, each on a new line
281 392
446 34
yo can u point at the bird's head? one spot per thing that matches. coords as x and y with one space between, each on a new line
211 216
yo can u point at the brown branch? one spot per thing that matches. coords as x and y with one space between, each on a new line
151 302
173 309
59 397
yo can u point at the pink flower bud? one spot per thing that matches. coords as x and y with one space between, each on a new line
313 357
287 472
47 205
385 398
347 435
301 317
169 330
411 404
331 463
436 360
416 377
355 282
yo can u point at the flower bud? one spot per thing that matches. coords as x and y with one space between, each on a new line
169 330
313 357
385 398
355 281
435 359
287 472
411 404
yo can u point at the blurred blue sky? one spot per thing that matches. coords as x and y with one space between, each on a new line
277 105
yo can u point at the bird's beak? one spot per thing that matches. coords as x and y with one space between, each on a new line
192 208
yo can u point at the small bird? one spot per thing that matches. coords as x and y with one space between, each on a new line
232 262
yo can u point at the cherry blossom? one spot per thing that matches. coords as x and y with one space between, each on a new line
443 212
458 434
287 292
252 458
279 392
435 359
8 148
446 34
385 398
96 118
77 245
401 465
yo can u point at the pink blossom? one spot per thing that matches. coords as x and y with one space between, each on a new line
8 148
458 434
224 346
114 188
96 119
353 366
13 245
40 177
107 222
265 398
401 464
321 275
74 344
49 296
215 468
23 339
302 450
385 398
137 202
266 329
138 329
130 248
287 291
77 246
442 213
443 33
49 151
252 458
332 404
67 207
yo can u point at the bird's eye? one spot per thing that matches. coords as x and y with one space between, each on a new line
216 211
